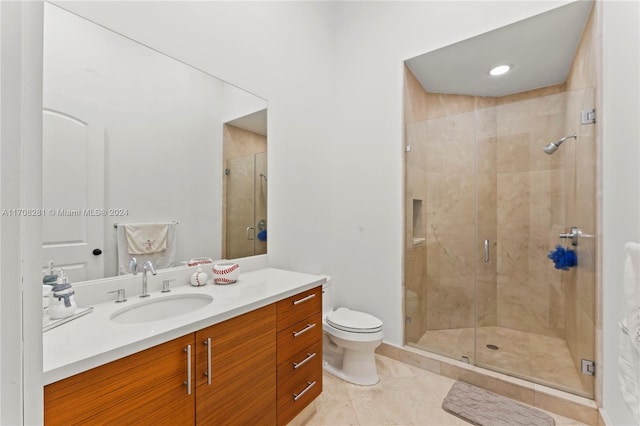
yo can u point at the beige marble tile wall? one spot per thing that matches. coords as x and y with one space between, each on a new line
440 172
530 214
415 196
580 284
511 169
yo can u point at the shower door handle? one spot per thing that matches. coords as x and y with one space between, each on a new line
486 251
250 236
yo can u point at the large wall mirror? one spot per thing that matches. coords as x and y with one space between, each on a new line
132 136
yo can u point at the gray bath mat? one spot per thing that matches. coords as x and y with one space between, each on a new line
484 408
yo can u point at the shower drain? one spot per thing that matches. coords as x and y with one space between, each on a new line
493 347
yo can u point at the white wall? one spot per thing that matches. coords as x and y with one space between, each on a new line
621 181
20 237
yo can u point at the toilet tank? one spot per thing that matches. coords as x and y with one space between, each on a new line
327 297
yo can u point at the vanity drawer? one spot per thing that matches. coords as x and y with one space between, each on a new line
298 307
293 340
299 390
300 364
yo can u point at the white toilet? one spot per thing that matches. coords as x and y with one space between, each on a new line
349 341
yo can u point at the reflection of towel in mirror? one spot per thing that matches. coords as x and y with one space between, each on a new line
146 238
155 242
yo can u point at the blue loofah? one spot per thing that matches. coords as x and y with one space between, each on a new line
571 259
262 235
563 259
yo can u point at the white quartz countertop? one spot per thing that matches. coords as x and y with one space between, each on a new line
93 340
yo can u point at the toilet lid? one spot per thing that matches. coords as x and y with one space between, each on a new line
354 321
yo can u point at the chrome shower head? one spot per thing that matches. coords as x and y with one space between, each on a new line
553 146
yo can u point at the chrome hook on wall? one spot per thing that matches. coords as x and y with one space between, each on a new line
573 235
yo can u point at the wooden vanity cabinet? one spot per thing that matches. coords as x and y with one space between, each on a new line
254 369
144 388
235 375
299 352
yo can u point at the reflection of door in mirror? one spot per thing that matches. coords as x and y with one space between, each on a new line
245 189
73 185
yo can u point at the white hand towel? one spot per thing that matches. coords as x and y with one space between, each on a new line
146 238
161 259
631 281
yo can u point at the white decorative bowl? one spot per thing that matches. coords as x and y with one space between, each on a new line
225 273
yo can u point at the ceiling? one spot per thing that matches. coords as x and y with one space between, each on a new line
540 49
256 122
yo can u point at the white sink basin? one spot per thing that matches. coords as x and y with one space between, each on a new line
161 308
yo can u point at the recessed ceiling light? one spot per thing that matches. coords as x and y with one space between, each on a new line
500 70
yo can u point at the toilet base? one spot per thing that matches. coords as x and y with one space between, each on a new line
358 367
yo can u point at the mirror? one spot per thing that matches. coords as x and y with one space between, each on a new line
131 135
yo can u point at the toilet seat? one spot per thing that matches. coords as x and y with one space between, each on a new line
354 321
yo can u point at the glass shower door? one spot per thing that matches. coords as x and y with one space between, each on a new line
440 276
485 205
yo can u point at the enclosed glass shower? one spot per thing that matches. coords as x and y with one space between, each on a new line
485 205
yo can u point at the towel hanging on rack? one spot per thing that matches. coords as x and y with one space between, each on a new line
146 238
146 241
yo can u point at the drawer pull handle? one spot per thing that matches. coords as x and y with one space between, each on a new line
304 361
208 373
304 299
299 395
188 382
304 330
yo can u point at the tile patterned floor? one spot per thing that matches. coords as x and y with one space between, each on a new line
405 395
542 359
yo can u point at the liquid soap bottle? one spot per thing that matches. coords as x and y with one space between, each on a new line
48 281
62 303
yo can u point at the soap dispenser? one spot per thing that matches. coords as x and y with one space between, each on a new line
48 281
62 303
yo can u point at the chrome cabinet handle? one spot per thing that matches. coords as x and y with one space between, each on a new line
304 299
208 373
304 330
304 361
250 237
188 382
486 251
299 395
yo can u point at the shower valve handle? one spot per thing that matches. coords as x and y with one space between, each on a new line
573 235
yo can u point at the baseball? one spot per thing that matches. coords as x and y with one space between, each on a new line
198 278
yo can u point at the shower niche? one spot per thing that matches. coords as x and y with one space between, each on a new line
481 289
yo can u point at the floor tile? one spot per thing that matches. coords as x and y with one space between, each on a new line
405 395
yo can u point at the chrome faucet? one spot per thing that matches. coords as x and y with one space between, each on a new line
133 266
148 266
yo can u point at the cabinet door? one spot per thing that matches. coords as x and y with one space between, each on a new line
144 388
236 382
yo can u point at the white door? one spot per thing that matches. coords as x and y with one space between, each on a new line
73 187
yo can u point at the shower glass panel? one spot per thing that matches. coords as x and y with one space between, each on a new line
246 206
479 285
